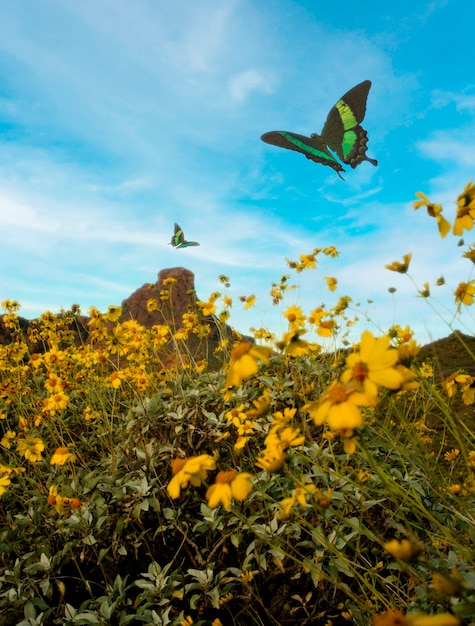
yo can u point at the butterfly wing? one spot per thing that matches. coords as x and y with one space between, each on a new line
312 147
178 237
342 131
186 244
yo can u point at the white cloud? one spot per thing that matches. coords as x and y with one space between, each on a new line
445 146
243 84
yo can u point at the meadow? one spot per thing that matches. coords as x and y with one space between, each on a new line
289 485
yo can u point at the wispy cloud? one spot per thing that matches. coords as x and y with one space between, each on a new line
243 84
450 146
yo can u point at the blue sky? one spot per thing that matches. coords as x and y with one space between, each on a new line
119 118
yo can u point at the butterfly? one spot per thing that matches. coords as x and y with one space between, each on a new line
179 241
341 133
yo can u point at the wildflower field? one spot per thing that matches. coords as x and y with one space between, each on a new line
291 485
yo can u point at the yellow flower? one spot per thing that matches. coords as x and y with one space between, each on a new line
190 320
10 306
262 333
425 291
424 201
316 315
342 304
407 351
465 210
31 448
470 254
61 503
272 459
450 586
249 301
452 455
164 295
116 378
7 439
4 482
295 317
464 293
54 357
188 621
323 500
241 442
6 469
113 313
89 413
284 437
397 266
299 495
292 345
189 471
434 210
62 456
276 294
236 416
331 251
54 384
327 328
225 599
421 619
402 550
401 335
331 283
246 576
340 407
152 305
261 405
56 402
36 360
373 366
308 261
207 308
426 370
160 335
243 364
282 419
228 484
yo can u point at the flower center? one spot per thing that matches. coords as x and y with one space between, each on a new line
240 350
337 394
226 476
360 371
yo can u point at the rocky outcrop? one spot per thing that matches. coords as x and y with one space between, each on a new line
173 299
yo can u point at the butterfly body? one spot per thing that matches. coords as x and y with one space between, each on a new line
178 239
342 133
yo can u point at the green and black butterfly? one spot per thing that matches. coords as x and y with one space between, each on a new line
341 133
179 241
